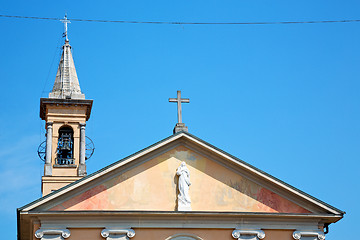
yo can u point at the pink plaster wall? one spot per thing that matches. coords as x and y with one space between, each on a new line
153 186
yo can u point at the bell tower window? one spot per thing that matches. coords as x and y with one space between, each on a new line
65 147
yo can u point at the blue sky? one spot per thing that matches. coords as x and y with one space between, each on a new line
284 98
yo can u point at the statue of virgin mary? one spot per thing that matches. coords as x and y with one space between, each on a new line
184 202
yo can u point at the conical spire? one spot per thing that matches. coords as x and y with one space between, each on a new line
66 82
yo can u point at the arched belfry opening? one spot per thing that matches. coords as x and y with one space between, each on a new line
65 146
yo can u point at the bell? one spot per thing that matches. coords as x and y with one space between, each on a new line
66 145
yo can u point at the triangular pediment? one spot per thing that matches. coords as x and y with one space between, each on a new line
147 181
152 186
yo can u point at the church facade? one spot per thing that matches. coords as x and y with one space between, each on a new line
179 188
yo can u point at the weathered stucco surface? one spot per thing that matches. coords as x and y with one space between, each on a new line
165 233
278 234
85 233
35 227
153 186
60 116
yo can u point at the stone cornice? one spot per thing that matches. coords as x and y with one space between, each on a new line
65 102
190 214
114 221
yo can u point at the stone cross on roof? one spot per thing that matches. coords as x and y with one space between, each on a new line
180 126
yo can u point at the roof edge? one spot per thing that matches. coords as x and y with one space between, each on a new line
268 175
173 137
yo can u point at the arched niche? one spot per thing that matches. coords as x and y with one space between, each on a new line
184 236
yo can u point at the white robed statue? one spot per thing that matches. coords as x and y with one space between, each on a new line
184 202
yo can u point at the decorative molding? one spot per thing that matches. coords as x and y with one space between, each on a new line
176 221
65 233
130 233
298 234
237 233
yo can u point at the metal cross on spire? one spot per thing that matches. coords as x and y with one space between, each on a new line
65 21
180 126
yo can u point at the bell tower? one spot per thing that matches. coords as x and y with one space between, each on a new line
65 112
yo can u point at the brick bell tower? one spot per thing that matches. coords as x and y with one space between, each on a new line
65 112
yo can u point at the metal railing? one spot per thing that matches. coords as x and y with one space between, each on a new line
65 161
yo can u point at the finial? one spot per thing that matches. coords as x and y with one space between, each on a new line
65 21
180 126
